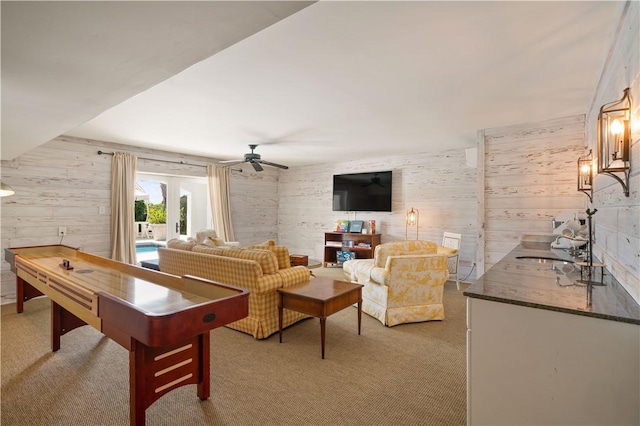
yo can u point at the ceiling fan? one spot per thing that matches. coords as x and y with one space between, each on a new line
255 161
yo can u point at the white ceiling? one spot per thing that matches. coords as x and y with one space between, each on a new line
64 63
334 81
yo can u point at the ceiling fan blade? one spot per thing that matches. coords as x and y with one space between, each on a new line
257 167
231 161
268 163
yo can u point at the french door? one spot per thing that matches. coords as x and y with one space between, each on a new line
184 199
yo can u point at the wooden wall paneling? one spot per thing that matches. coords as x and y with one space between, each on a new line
617 221
481 211
440 185
529 178
254 205
65 183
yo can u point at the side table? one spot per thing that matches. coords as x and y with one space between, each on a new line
299 260
320 297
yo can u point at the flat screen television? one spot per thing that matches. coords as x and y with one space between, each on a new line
366 192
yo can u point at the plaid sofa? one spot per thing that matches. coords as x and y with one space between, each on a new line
403 283
260 269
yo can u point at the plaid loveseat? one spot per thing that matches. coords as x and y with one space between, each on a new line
260 270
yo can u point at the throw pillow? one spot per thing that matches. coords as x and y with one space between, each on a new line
216 241
268 243
179 244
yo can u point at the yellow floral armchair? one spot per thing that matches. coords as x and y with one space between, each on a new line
403 283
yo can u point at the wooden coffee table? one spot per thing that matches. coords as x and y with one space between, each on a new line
320 297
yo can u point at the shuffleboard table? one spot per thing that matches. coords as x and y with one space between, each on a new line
163 320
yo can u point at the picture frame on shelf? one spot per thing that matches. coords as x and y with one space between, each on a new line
356 226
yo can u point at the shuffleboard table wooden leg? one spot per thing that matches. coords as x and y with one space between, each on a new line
19 294
24 292
137 384
62 322
204 385
155 371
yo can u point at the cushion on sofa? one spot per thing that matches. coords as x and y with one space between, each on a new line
267 243
179 244
213 242
281 252
265 258
201 248
201 236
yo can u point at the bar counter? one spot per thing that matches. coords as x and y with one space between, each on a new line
539 353
554 285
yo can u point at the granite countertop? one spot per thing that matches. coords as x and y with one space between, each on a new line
554 285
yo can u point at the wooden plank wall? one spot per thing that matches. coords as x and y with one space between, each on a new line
65 183
440 185
529 178
254 205
617 222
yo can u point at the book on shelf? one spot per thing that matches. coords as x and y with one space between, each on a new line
343 256
364 245
355 226
334 243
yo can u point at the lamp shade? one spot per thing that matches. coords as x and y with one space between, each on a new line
6 190
585 175
614 140
413 219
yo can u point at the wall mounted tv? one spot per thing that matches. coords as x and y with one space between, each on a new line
367 192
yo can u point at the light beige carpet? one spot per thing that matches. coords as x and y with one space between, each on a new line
411 374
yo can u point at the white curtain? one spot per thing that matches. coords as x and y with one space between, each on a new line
219 194
123 198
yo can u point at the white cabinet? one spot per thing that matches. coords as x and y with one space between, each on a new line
530 366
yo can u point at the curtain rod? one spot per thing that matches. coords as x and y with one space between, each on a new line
165 161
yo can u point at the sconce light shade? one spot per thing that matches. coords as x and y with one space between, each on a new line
6 190
585 175
413 220
614 140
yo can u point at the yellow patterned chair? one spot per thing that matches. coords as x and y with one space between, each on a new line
261 271
403 283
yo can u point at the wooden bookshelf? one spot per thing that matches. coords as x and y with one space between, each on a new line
348 241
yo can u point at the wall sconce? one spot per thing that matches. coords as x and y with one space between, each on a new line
614 140
6 190
585 175
413 219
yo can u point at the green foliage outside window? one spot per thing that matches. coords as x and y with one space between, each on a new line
157 214
183 215
141 211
